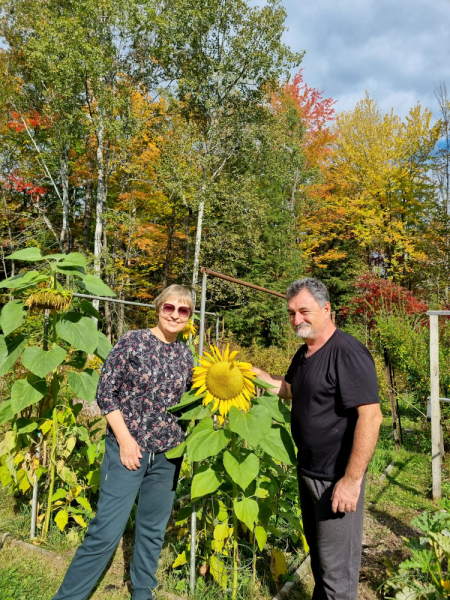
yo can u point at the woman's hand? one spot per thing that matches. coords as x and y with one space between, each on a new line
129 453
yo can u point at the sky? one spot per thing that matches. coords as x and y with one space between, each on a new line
397 50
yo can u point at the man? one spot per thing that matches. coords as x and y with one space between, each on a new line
335 422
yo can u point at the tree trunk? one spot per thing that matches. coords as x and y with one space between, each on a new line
187 223
101 201
64 173
107 304
198 241
169 245
88 207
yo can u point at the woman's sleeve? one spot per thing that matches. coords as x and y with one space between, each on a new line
113 375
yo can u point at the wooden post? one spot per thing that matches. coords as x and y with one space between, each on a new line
435 406
392 400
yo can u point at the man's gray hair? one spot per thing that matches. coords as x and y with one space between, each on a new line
314 286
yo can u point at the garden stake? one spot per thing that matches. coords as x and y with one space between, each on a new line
194 466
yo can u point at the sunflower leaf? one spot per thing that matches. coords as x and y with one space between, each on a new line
276 408
177 451
12 316
40 362
243 468
251 426
24 394
206 481
207 442
104 346
187 398
33 254
262 384
197 413
10 350
278 444
247 511
84 384
79 331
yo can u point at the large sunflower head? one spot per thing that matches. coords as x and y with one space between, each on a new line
226 381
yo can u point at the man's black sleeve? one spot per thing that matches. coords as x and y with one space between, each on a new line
357 379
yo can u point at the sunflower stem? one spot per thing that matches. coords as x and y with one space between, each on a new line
235 529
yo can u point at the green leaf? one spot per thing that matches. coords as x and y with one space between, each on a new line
261 537
62 518
76 270
243 468
218 571
75 259
24 394
78 361
10 350
104 346
91 452
59 494
84 502
55 256
207 442
206 481
26 254
93 478
246 511
80 332
278 444
12 316
177 451
276 408
197 413
94 285
87 308
22 280
84 384
25 425
251 426
262 384
40 362
6 411
187 398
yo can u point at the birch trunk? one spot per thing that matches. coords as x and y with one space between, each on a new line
64 173
100 205
198 241
88 207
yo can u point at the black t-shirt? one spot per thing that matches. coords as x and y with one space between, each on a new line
326 388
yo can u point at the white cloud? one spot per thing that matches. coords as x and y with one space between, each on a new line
397 50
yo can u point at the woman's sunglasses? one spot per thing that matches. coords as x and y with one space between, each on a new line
183 311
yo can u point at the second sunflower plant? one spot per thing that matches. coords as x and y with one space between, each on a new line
243 452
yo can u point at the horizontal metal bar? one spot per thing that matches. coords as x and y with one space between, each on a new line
240 282
438 312
125 302
440 399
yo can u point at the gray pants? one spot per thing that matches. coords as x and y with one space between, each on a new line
156 481
334 540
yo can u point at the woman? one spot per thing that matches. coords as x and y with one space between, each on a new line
146 372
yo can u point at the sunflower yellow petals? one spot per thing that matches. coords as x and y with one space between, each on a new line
226 353
201 390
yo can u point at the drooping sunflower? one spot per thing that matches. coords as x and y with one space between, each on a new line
190 329
50 299
226 381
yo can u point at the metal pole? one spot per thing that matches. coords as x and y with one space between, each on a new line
194 466
77 295
35 497
217 330
435 406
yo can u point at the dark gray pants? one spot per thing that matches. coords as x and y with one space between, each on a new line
334 540
156 481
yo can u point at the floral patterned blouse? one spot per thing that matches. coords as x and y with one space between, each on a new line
142 377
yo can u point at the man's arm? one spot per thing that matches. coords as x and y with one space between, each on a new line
346 491
282 387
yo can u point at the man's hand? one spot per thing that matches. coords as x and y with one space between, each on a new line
129 453
345 495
